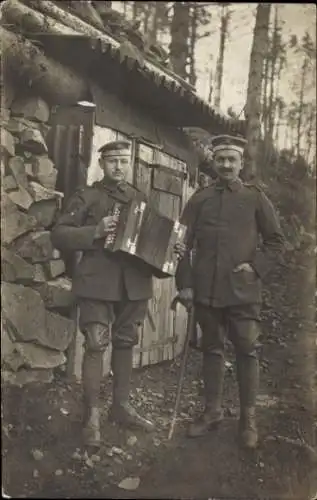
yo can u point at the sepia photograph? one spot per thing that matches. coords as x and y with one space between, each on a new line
158 250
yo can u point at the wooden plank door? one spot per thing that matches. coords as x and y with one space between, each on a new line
161 178
69 145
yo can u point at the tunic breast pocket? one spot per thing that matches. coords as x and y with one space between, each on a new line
241 209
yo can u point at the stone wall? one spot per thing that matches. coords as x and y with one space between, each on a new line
36 294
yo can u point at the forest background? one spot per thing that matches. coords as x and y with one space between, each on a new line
255 62
209 44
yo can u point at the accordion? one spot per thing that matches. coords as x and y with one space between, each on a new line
146 234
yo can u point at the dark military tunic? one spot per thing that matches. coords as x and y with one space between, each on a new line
228 225
100 274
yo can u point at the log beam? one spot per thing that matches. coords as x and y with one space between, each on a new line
67 19
50 79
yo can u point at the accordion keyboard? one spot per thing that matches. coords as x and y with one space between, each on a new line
115 212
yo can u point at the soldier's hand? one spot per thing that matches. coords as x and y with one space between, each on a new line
180 249
245 266
186 297
106 225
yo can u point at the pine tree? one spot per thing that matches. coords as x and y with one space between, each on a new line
274 64
153 31
192 44
253 104
224 22
200 17
179 46
301 108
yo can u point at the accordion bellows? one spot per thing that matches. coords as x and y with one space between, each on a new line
147 234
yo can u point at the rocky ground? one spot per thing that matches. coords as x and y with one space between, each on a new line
43 455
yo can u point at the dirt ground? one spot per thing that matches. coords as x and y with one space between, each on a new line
43 455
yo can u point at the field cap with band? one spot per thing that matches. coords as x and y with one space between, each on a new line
115 148
221 142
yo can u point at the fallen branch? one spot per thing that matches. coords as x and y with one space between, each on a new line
298 443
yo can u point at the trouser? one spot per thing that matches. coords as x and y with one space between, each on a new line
241 324
102 323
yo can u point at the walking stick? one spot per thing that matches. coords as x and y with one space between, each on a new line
189 334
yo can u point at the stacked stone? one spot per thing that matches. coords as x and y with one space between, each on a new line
36 294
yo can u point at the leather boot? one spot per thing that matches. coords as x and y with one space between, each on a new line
213 375
121 411
248 380
92 374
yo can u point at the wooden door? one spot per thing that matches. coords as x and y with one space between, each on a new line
69 146
162 179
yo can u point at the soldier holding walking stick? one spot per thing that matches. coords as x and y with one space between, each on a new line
225 222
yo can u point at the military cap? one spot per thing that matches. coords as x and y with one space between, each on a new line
237 143
120 148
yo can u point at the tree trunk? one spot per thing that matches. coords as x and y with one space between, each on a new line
225 15
265 93
293 138
277 128
277 125
163 20
147 10
210 86
193 41
286 135
179 38
253 104
300 107
271 107
277 114
135 11
50 79
309 135
154 24
272 93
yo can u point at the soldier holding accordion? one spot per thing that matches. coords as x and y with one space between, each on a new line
112 288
